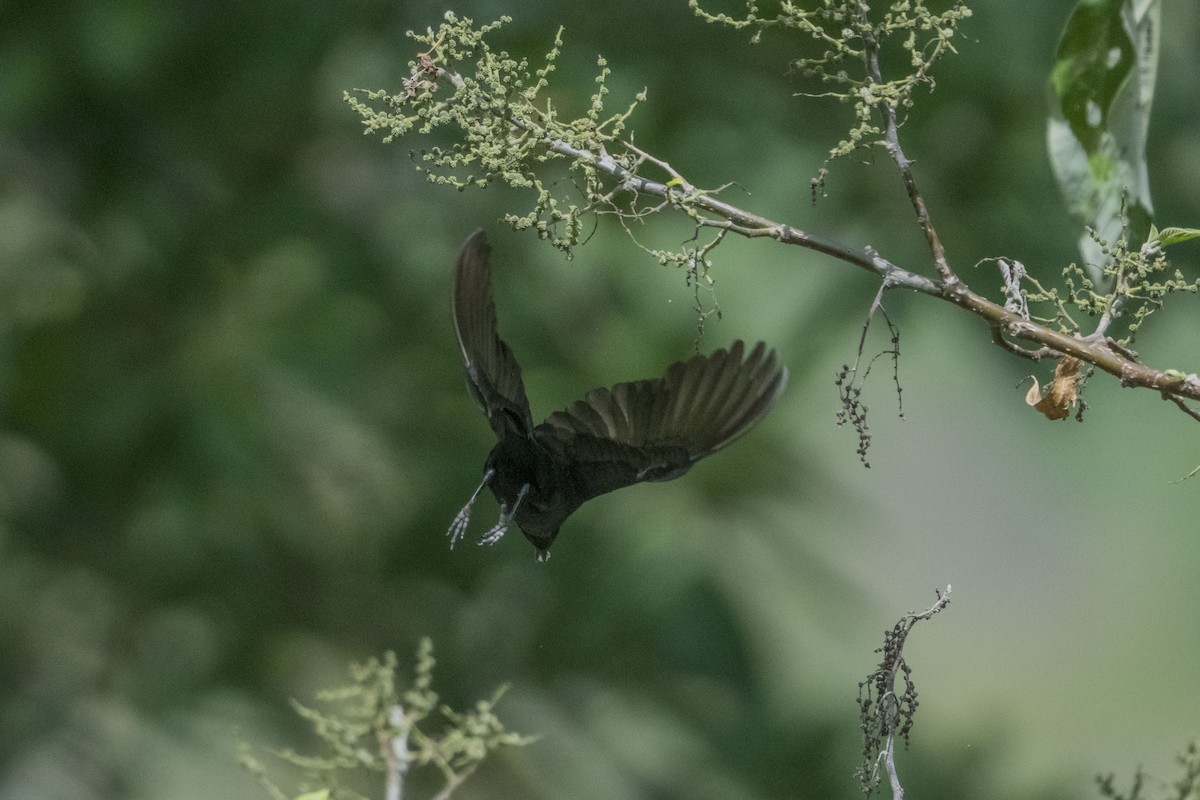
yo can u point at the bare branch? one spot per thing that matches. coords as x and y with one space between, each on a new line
1016 349
889 762
1184 407
891 143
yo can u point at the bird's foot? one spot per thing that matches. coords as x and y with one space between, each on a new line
459 526
496 533
506 517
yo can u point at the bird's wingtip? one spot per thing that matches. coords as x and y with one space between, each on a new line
783 381
477 240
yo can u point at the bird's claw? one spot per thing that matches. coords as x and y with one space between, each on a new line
496 533
506 516
498 530
459 526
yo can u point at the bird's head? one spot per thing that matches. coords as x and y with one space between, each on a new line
539 522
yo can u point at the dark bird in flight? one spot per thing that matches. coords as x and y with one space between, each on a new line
649 430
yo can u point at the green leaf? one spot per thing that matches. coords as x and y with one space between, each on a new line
1176 235
1102 87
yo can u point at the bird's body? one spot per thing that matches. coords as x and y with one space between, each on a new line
648 430
551 495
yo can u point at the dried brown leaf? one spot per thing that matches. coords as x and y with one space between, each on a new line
1062 394
1034 395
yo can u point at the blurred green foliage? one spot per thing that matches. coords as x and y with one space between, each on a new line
234 426
372 731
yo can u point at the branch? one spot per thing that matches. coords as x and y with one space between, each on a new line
1006 325
889 750
1184 407
454 781
891 143
889 763
1003 322
393 747
730 218
1016 349
885 715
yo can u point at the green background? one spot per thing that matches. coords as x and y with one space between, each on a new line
233 424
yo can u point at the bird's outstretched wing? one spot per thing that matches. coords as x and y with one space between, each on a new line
493 374
654 430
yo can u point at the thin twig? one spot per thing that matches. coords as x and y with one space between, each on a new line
454 781
1184 407
889 763
1110 314
876 305
1016 349
891 143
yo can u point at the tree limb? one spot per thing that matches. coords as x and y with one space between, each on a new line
1098 352
1004 324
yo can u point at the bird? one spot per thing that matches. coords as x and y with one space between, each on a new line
644 430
